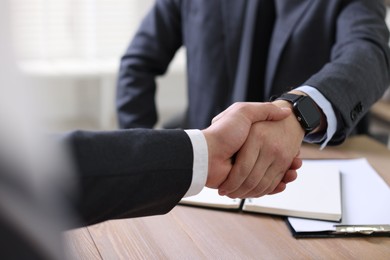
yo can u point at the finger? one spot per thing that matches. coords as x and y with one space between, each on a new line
277 164
290 176
276 173
273 177
258 180
244 162
279 188
296 164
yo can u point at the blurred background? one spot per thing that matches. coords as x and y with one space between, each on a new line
69 51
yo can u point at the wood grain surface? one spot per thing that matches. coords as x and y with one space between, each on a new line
197 233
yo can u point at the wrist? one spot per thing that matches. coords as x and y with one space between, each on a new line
212 157
207 136
219 161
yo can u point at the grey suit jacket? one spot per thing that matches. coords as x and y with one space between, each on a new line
339 47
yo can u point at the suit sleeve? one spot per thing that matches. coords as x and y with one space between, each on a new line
149 54
130 173
358 72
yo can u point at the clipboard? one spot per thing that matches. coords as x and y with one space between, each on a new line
344 231
366 207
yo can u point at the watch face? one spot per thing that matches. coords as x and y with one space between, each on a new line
308 113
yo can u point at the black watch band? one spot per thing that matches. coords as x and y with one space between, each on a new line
305 110
290 97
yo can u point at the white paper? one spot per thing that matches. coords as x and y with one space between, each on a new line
210 198
365 198
315 194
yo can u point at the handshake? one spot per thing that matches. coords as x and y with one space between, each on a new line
253 149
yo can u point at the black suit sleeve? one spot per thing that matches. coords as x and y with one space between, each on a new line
130 173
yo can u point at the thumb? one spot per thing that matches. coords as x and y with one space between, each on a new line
256 111
267 112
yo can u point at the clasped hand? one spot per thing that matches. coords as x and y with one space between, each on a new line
265 153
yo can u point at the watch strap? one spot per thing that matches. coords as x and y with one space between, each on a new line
290 97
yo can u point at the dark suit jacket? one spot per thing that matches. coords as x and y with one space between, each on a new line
130 173
119 174
339 47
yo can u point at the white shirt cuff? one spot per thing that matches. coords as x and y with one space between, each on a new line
201 164
327 109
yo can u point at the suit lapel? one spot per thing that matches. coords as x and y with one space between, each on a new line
289 13
245 50
233 13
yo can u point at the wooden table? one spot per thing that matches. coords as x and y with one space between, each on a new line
196 233
380 119
381 111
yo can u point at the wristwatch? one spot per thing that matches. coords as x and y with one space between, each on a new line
305 110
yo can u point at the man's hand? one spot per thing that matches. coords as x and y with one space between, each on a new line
230 131
267 160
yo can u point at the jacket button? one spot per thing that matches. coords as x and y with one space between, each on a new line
353 115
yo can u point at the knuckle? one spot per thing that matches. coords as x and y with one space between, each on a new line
242 108
259 190
257 194
239 106
258 130
269 190
250 184
244 169
229 186
276 150
232 196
